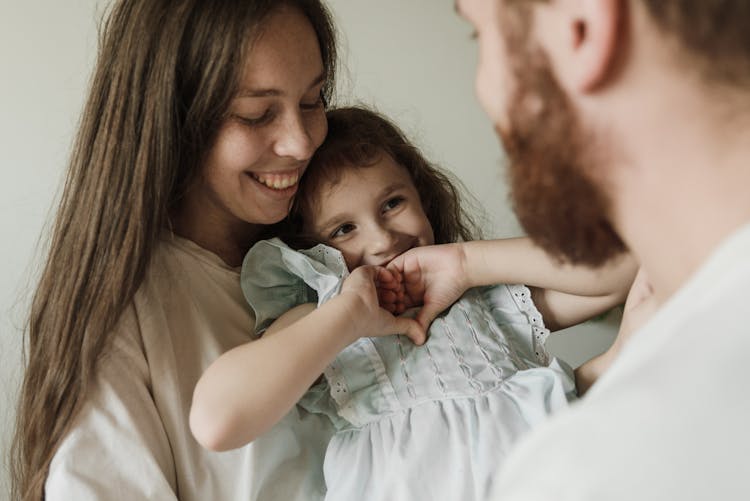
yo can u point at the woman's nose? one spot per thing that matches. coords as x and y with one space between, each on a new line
294 139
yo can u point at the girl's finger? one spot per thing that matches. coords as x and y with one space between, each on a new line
388 301
411 329
427 314
387 296
388 279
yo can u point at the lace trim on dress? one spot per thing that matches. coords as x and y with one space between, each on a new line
522 296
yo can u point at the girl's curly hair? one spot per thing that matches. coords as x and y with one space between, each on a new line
357 138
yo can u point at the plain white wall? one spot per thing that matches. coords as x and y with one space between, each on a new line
413 59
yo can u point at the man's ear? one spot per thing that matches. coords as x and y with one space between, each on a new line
595 36
583 38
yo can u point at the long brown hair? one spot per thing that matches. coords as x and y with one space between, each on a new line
165 75
357 137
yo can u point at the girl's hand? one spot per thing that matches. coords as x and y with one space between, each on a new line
434 277
368 318
390 285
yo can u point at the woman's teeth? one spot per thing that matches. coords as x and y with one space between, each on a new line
277 181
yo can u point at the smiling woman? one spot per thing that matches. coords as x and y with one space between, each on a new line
201 118
274 124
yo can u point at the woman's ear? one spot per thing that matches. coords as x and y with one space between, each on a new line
596 32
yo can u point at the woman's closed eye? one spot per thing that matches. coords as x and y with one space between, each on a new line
342 230
313 104
256 120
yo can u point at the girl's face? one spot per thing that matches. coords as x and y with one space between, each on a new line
371 215
275 123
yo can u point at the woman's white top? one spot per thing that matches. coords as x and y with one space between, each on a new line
132 440
671 419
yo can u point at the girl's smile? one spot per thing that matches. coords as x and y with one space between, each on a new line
373 214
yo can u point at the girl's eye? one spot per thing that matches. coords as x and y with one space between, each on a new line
392 203
258 120
342 230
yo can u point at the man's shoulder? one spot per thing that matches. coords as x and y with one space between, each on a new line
674 406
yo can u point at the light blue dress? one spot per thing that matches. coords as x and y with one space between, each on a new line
418 423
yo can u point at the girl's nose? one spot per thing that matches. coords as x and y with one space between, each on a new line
294 139
382 242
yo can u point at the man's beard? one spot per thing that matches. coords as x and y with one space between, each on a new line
551 164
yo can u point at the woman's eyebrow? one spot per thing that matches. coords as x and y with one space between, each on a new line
317 81
276 92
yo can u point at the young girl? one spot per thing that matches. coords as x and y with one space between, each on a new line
413 422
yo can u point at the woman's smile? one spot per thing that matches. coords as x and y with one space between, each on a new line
283 184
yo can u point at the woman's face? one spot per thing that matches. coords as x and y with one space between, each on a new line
275 123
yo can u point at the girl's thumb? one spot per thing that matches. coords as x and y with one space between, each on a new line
426 315
411 329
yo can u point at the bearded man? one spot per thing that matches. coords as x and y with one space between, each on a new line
627 127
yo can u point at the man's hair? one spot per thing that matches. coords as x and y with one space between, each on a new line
358 138
716 31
